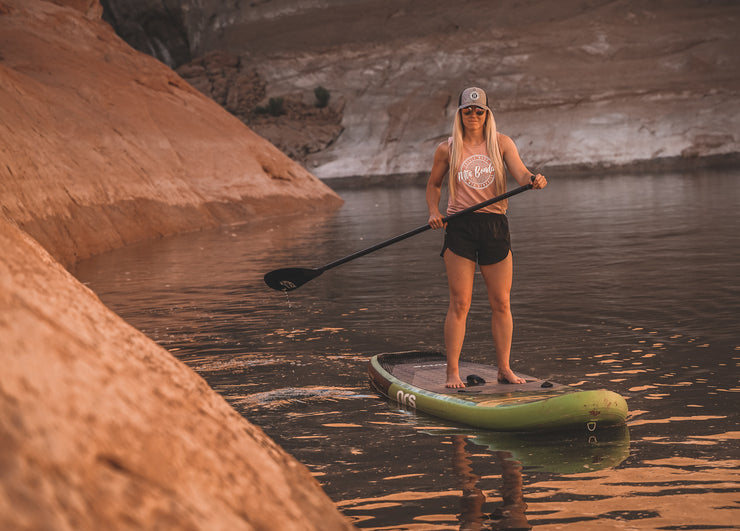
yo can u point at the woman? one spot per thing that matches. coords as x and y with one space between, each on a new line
474 158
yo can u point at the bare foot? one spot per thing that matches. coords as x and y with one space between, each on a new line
454 381
508 376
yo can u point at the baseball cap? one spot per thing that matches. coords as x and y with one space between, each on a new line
473 96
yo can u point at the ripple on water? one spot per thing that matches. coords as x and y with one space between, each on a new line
279 398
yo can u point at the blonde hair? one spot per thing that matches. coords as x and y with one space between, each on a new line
494 153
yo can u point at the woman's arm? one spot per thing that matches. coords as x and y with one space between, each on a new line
440 166
514 163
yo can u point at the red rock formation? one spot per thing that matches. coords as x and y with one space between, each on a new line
100 428
103 146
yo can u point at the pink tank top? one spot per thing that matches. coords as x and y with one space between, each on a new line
476 181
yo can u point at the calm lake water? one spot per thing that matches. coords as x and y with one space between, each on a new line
629 283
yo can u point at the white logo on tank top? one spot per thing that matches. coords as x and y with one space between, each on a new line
477 172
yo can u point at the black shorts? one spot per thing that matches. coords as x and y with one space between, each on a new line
480 237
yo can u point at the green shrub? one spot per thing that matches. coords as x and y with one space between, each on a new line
275 107
322 97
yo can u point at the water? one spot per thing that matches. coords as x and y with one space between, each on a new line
624 282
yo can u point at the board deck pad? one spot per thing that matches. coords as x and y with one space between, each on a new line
431 375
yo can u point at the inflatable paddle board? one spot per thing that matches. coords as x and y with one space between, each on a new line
416 380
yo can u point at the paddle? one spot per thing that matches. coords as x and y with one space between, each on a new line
290 278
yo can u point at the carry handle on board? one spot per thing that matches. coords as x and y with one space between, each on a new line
290 278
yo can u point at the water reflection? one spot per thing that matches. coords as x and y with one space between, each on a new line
628 283
512 454
508 462
510 515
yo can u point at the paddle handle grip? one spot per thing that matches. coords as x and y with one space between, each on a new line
423 228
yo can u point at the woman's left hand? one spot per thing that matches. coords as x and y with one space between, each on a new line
539 182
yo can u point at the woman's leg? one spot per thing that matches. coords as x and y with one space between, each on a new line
498 283
460 272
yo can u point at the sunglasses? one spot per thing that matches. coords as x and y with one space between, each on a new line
469 110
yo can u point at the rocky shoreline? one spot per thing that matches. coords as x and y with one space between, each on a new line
654 166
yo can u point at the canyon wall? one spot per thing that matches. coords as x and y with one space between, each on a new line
103 146
100 428
580 86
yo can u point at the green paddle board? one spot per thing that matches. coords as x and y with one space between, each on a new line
416 380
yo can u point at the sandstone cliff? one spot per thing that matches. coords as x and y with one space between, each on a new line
99 427
102 145
578 85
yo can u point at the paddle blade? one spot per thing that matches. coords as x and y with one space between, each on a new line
290 278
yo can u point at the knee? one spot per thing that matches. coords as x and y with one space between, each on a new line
500 304
459 306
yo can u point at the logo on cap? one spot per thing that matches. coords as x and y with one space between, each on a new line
473 96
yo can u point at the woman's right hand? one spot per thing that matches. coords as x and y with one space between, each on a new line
436 220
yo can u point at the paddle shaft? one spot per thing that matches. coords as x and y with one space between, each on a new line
423 228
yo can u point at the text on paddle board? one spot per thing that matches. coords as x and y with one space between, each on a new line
406 399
